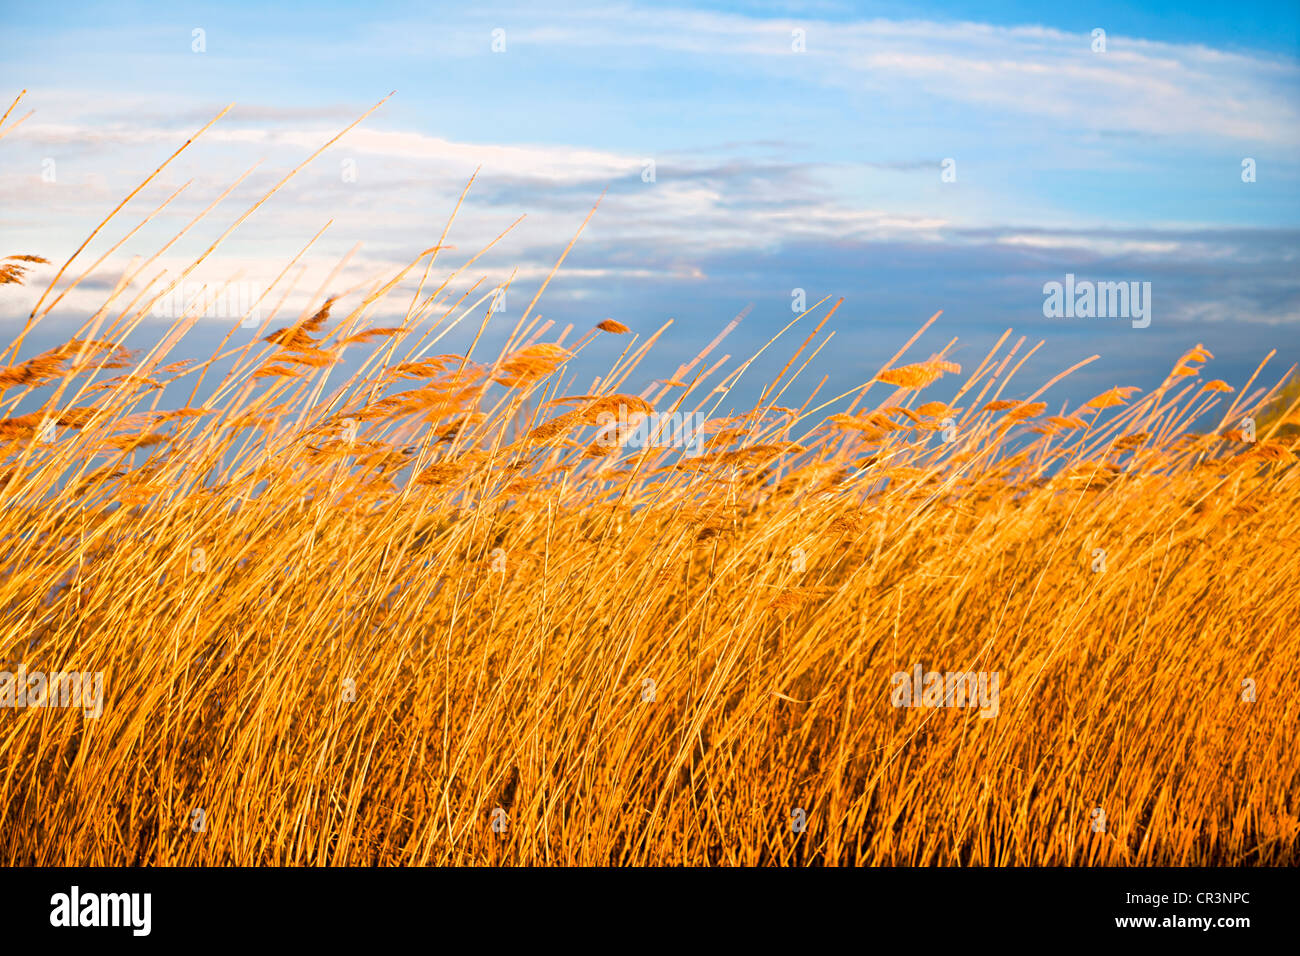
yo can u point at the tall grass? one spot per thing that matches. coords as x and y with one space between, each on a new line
426 614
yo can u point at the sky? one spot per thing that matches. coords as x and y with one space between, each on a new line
906 157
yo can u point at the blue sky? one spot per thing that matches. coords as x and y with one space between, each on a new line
775 170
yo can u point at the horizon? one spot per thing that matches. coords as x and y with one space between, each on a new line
779 175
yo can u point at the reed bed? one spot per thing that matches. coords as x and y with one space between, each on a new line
430 610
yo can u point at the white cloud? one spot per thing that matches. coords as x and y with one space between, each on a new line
1100 245
1139 85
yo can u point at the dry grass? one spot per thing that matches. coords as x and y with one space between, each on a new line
637 656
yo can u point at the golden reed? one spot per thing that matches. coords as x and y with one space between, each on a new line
427 612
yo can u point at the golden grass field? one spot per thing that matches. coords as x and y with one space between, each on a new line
422 613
